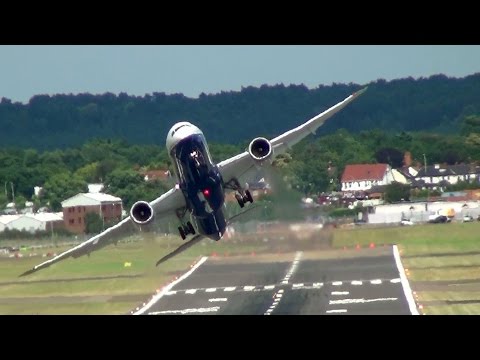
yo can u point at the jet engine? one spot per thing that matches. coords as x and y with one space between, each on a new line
141 213
260 149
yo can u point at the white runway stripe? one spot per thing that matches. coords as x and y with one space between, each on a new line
336 311
359 301
170 286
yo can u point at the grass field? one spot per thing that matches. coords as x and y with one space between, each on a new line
101 284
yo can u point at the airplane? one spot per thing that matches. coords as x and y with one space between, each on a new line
197 200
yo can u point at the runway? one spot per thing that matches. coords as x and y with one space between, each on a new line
369 283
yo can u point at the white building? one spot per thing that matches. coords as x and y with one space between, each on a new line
447 174
95 188
31 222
5 220
361 177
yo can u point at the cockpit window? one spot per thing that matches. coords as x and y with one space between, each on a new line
192 158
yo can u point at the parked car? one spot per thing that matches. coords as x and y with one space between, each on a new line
438 219
406 222
467 218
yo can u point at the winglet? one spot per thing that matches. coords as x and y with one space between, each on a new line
360 92
28 272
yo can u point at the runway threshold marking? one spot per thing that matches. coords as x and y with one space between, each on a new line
169 286
405 284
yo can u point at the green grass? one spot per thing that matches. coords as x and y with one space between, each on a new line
107 262
441 261
468 309
417 239
444 274
117 308
450 295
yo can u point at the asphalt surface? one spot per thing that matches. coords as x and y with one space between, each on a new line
368 284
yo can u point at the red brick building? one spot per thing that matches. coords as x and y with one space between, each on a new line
108 207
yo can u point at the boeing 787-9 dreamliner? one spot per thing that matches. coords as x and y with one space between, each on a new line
197 202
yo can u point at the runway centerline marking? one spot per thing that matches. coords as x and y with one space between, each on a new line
291 270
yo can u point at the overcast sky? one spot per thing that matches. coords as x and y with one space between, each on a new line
26 71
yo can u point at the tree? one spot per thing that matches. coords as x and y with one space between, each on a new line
3 201
390 156
62 186
89 172
396 192
93 223
20 202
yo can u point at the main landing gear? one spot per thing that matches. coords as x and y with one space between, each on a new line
184 230
242 196
242 199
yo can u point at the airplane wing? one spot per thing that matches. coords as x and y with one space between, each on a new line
164 206
242 166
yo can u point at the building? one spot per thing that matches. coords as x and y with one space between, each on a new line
5 220
32 222
95 188
438 176
159 174
361 177
108 207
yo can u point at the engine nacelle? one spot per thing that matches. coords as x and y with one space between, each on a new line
260 150
141 213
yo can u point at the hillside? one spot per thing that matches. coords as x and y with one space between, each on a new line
427 104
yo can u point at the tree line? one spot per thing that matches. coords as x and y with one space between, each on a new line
314 165
437 103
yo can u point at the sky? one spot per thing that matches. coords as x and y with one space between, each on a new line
28 70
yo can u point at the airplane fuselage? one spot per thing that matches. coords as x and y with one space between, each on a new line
198 178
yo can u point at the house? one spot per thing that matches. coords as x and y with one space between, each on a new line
361 177
438 176
108 207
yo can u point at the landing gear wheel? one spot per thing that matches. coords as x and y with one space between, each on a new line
248 197
182 232
240 200
190 227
